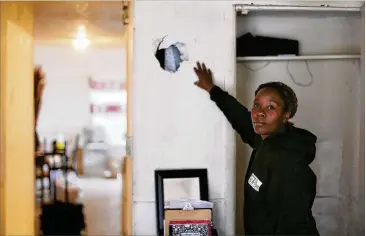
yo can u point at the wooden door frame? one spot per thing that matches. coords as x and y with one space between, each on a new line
127 199
17 119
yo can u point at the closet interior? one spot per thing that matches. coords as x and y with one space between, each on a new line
323 62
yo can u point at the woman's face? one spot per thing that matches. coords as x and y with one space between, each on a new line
268 112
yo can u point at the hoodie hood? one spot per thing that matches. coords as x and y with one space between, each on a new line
296 139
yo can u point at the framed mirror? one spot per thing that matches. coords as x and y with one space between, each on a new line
178 184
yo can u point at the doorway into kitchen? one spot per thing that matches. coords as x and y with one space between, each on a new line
80 48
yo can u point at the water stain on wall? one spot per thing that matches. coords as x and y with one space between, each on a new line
171 57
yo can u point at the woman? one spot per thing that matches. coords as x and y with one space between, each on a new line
39 83
279 185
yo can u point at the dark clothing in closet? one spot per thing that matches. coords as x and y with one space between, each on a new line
279 185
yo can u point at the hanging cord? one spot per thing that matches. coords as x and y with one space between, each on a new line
293 79
288 71
254 70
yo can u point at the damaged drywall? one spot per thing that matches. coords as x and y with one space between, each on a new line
170 55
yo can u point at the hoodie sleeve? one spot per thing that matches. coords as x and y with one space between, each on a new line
238 115
292 191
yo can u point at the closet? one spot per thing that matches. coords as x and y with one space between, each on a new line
328 78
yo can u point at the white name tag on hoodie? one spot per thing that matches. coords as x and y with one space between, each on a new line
254 182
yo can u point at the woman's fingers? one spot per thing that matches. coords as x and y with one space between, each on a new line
204 67
198 72
198 65
202 72
201 67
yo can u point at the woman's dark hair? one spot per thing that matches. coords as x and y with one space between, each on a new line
287 94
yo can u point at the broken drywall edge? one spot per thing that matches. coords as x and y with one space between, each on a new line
170 55
183 51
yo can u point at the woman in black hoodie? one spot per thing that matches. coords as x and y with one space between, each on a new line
279 185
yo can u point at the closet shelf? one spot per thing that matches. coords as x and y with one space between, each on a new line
294 58
244 8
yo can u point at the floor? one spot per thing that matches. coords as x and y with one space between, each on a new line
102 206
102 201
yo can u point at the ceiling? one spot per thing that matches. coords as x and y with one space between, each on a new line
56 22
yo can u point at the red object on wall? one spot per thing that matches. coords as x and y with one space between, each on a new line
105 108
106 85
113 108
95 84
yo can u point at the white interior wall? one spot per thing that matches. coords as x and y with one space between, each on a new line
177 126
67 96
328 107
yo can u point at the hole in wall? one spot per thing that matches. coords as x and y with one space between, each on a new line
170 55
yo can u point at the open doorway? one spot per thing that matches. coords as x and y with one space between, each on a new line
81 51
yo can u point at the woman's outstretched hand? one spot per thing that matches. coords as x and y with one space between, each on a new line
204 75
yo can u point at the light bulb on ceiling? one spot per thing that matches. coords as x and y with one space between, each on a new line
81 42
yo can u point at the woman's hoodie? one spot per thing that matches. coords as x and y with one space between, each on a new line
279 187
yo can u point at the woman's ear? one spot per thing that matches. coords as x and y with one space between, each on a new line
286 117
